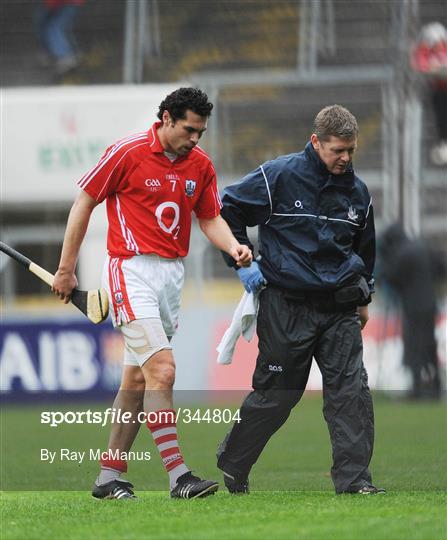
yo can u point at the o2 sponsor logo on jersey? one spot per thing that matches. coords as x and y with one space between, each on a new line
153 184
168 222
190 187
119 298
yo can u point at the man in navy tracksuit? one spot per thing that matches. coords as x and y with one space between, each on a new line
317 251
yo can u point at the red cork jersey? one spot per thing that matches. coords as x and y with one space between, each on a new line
149 198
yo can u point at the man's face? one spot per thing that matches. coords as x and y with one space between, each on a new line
335 153
180 136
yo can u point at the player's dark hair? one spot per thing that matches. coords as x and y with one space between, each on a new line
184 99
335 120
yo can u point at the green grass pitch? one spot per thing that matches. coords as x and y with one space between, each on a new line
292 495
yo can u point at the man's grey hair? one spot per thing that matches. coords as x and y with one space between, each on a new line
336 121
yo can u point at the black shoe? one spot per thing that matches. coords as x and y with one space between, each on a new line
116 489
370 490
236 485
367 490
191 487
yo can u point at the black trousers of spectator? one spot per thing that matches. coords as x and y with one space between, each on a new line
290 333
439 101
421 353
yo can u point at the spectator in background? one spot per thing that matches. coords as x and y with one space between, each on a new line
55 19
413 271
429 57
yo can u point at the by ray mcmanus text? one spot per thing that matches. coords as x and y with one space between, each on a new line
91 454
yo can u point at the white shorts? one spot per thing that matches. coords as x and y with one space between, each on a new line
144 287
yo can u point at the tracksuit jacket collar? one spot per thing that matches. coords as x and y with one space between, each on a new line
344 181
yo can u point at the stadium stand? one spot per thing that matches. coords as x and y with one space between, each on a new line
255 122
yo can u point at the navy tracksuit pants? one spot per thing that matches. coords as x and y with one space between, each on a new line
291 332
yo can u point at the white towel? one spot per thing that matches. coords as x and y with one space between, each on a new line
243 323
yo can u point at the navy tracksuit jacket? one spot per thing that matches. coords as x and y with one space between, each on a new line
316 230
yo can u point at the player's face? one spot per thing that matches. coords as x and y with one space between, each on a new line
335 153
180 136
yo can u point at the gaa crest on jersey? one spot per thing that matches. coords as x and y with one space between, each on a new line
190 187
153 184
119 298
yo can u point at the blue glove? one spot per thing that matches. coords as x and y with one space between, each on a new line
252 278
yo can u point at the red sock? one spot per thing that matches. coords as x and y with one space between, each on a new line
163 427
115 464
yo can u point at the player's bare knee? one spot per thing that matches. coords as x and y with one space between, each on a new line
161 372
136 386
134 383
165 378
133 380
